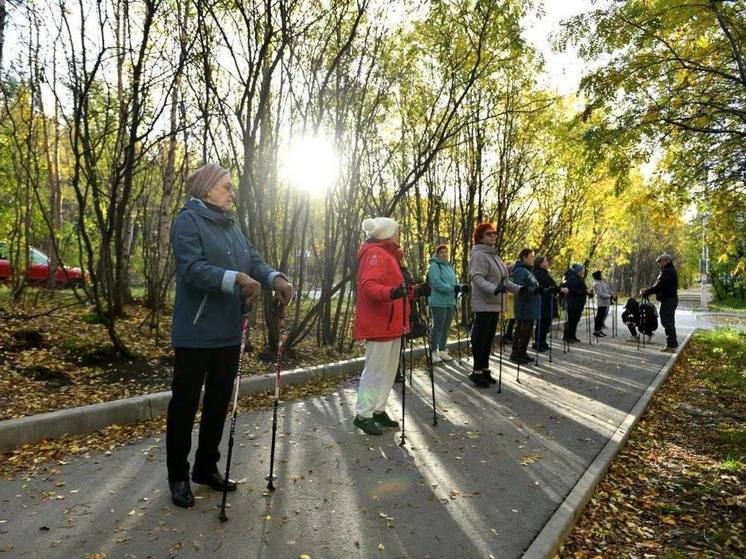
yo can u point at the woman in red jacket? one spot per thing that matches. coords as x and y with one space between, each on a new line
381 319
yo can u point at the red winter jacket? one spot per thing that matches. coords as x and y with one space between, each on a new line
377 317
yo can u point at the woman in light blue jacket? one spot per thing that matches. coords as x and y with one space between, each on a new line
442 301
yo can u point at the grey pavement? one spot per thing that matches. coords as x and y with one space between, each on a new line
482 483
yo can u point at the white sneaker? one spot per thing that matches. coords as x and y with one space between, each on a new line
443 354
436 358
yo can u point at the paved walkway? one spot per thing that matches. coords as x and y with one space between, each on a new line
481 483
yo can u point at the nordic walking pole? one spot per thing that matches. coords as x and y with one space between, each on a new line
588 319
639 325
518 365
551 319
276 400
594 310
429 357
615 322
537 337
403 359
500 361
244 330
458 330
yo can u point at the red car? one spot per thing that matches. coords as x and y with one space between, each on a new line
38 271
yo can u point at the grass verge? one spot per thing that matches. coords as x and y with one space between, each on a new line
678 487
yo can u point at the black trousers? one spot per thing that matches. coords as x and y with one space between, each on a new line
522 336
542 330
668 320
215 368
600 318
573 317
482 333
509 324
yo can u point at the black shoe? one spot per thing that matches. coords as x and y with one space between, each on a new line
181 493
367 425
540 349
479 380
214 481
384 420
602 334
488 375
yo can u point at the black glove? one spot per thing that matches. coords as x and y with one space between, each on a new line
523 290
465 288
502 288
457 289
551 290
398 293
423 291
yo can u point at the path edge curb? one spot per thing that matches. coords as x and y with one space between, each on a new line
547 543
15 433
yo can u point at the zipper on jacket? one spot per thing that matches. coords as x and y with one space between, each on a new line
199 310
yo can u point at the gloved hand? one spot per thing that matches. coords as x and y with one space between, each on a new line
457 289
465 288
423 291
537 290
523 290
398 293
502 288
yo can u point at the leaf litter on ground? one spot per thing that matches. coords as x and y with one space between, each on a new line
677 488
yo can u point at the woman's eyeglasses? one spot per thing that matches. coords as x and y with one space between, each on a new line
491 233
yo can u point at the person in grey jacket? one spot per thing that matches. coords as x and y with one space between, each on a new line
218 272
604 297
490 280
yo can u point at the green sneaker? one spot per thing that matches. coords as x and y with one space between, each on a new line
367 425
384 420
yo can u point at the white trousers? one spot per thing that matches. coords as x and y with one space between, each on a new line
381 362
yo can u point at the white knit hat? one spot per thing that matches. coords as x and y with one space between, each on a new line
380 227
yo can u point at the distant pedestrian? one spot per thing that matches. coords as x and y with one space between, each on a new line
604 298
445 289
666 288
574 300
490 280
527 306
632 319
549 303
217 269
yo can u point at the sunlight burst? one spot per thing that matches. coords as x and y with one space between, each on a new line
310 164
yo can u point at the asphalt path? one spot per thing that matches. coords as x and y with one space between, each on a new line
481 483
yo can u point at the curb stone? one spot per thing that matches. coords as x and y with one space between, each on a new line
87 419
547 543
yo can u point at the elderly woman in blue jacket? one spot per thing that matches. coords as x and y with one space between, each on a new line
442 301
527 305
218 272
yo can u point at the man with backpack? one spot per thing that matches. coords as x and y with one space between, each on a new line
666 288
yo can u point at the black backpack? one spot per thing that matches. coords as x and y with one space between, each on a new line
648 317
